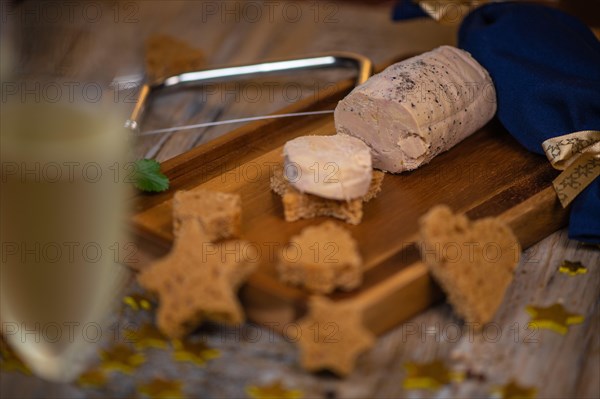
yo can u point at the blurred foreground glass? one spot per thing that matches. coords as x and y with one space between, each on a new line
62 208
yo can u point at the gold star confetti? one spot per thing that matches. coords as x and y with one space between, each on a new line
94 378
432 375
512 390
572 268
147 336
121 358
193 351
275 390
160 388
10 361
554 318
138 302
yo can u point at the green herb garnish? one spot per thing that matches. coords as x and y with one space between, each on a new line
148 176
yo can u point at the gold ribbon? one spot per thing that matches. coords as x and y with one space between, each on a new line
449 12
578 156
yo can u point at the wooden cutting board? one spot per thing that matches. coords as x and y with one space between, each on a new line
488 174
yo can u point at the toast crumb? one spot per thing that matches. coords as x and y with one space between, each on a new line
297 205
321 258
219 214
473 261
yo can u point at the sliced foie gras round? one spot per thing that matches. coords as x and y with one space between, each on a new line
418 108
335 167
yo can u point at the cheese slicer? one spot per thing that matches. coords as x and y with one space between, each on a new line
362 65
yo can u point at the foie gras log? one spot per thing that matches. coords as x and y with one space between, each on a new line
418 108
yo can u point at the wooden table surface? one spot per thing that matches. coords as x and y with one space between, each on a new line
98 41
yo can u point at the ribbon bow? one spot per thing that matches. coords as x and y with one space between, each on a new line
449 12
578 156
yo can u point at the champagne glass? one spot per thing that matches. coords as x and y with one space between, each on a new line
62 208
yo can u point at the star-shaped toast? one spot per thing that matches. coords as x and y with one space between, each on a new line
333 335
198 281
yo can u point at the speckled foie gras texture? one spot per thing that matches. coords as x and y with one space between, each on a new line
418 108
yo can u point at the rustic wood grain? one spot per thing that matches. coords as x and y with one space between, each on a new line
558 366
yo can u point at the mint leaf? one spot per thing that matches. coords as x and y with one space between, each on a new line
148 176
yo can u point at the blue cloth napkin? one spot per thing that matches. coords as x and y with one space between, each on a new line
545 65
407 9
